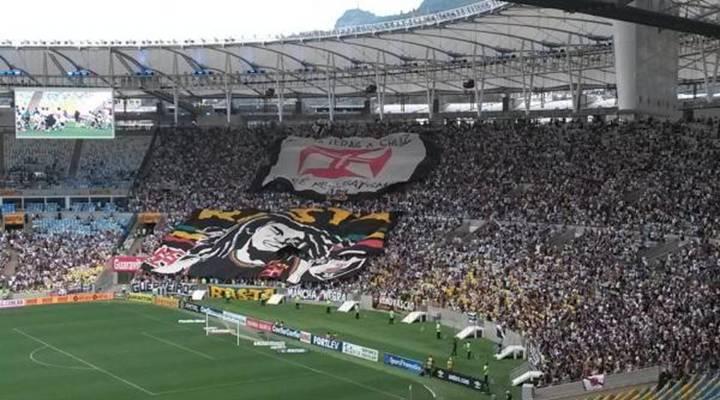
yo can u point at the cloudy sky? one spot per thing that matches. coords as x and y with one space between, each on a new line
176 19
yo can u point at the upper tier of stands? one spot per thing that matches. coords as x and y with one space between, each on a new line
29 162
589 301
47 163
112 163
570 213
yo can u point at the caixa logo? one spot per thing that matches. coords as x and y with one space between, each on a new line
327 343
287 332
327 163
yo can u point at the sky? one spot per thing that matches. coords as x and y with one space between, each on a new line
177 19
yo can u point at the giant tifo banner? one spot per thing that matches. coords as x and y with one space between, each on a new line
308 244
349 167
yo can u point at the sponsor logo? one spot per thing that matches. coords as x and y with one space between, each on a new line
73 298
240 293
403 363
287 332
127 263
292 351
305 337
191 307
459 379
259 325
166 302
327 343
12 303
270 344
389 303
360 352
235 317
211 311
14 219
140 298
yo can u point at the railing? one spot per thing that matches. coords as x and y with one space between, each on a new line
481 7
622 381
520 370
441 17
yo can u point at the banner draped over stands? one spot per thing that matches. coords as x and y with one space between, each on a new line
309 244
347 167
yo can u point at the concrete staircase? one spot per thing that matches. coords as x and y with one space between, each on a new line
562 238
633 196
75 162
2 155
144 168
464 233
660 250
10 268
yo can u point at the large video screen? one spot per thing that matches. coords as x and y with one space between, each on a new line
59 113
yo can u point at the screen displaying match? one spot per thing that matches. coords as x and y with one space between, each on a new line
59 113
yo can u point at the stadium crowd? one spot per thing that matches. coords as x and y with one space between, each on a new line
590 301
112 163
59 262
625 186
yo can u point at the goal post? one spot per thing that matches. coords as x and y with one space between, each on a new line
217 325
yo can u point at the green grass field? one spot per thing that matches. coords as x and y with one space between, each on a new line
415 341
70 132
123 351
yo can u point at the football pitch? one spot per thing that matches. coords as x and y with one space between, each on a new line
121 351
72 131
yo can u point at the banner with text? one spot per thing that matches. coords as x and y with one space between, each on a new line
140 298
360 352
73 298
390 303
328 343
168 302
334 295
127 263
346 167
403 363
458 379
221 292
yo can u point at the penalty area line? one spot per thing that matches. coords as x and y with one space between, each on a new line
430 390
91 365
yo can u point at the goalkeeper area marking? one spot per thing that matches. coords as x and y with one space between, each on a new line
123 351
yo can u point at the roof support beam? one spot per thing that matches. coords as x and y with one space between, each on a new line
622 12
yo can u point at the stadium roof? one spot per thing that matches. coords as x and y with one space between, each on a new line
513 47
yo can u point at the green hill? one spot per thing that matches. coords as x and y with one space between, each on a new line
357 16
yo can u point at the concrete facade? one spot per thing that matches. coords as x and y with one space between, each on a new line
646 65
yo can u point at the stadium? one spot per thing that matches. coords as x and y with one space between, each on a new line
469 200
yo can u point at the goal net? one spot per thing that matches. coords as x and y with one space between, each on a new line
218 324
